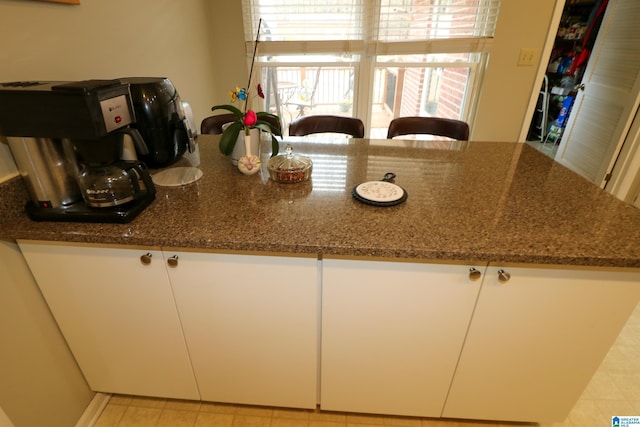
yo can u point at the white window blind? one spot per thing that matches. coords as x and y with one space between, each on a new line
288 22
304 20
373 59
403 20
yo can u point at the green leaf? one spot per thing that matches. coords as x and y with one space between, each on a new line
229 138
265 114
275 146
229 108
267 127
270 128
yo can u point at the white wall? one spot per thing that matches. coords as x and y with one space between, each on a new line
41 384
109 39
227 41
4 420
508 87
7 167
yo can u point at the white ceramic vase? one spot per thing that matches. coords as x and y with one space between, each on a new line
239 149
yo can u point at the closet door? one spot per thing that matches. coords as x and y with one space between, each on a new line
604 109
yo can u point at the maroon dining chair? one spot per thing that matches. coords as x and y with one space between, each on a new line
450 128
327 124
213 124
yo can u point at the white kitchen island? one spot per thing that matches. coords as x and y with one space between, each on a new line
493 292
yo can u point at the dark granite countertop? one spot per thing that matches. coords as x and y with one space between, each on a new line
467 201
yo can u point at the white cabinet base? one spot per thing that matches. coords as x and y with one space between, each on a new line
391 334
117 315
535 341
397 338
251 326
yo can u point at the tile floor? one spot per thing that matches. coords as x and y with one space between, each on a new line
614 390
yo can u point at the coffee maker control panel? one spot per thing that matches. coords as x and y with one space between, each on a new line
88 109
116 112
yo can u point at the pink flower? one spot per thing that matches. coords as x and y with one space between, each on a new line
250 118
260 92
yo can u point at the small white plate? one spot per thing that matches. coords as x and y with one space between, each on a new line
175 177
380 191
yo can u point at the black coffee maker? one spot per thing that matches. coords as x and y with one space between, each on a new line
67 140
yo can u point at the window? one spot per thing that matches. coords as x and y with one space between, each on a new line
374 59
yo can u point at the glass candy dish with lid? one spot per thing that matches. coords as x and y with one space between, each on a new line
290 168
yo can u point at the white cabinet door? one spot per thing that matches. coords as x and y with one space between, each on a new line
251 325
392 334
117 315
535 341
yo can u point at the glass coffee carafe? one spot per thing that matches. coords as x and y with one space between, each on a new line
105 180
112 185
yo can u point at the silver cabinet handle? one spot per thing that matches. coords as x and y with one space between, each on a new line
146 258
173 261
474 274
503 276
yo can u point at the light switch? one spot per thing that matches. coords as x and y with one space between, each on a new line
528 56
